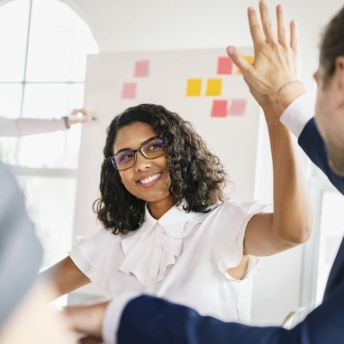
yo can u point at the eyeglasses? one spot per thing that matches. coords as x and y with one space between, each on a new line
126 158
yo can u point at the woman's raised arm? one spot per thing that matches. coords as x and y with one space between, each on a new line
291 221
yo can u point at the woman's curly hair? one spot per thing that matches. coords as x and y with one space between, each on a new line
197 176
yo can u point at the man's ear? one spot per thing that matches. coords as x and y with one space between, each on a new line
339 77
339 70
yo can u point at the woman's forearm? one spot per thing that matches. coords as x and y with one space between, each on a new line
65 276
292 219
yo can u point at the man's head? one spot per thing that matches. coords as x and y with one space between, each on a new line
330 97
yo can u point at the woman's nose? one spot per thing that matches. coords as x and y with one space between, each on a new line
142 163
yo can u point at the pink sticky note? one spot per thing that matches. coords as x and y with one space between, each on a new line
129 90
141 68
219 108
238 107
224 65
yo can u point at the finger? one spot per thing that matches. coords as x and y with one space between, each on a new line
294 36
255 28
77 111
250 87
246 69
90 340
266 22
82 111
281 25
81 114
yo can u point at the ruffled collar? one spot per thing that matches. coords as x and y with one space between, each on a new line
157 245
174 222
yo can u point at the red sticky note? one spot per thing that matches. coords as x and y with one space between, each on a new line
141 68
238 107
219 108
129 90
224 65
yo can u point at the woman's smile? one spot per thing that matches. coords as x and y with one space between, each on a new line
150 180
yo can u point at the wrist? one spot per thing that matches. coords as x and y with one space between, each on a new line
67 123
272 112
288 94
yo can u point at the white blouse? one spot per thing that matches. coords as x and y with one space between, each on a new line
182 257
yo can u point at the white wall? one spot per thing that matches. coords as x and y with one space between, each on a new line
122 25
136 25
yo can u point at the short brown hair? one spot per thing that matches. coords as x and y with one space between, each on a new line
332 44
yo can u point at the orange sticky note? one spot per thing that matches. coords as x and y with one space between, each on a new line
238 107
194 87
214 87
224 65
219 108
249 59
141 68
129 90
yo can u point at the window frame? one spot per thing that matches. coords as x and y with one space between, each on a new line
41 172
318 185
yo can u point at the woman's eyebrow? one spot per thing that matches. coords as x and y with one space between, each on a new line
143 142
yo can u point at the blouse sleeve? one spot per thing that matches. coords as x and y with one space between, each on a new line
17 127
229 246
91 255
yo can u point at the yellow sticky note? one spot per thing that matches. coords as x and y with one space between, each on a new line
194 87
249 59
214 87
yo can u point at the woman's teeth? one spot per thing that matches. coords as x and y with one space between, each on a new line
150 179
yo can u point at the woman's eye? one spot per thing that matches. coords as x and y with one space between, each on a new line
155 146
126 156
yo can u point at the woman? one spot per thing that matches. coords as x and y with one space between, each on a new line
169 230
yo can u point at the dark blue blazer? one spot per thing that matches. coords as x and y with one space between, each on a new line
152 320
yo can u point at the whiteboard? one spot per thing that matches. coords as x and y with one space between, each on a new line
166 78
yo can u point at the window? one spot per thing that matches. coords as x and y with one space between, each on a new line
328 230
331 234
42 71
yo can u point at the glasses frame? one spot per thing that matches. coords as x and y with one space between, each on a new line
112 158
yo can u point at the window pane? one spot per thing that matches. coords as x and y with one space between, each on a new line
51 41
50 203
8 149
13 34
52 150
51 100
331 233
59 43
10 95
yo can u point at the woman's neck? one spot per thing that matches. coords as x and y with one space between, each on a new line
158 209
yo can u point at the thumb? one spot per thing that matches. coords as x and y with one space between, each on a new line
239 60
250 87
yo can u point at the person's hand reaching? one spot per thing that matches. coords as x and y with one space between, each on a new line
79 116
275 71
